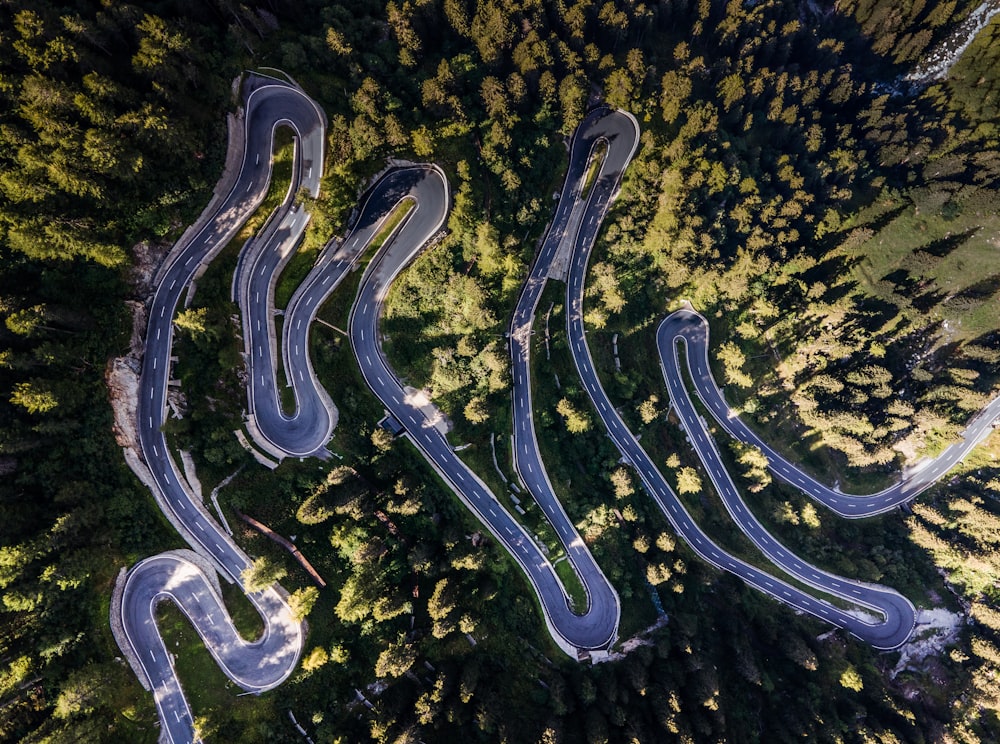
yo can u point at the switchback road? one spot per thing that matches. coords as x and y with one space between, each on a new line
691 328
267 662
428 188
897 612
586 197
601 126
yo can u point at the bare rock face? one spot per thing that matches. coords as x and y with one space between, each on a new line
146 261
122 379
135 344
123 390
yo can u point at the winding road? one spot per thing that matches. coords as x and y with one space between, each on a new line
691 328
603 125
595 628
896 611
876 614
266 662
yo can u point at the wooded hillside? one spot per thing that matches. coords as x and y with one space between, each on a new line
836 225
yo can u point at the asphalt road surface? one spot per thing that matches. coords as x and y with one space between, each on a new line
267 662
429 190
308 429
617 131
692 329
255 666
897 613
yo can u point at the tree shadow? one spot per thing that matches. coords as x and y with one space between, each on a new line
872 313
831 266
946 245
902 281
981 290
839 291
884 220
925 301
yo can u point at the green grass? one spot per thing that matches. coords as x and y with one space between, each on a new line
390 223
282 166
208 691
968 243
597 156
571 582
297 268
286 393
245 616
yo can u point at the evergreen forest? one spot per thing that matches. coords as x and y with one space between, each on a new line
836 219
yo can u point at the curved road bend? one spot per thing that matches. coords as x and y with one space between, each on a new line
614 129
692 328
896 610
260 264
268 104
255 666
428 188
307 431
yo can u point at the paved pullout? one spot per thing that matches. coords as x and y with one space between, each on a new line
692 328
897 612
267 662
